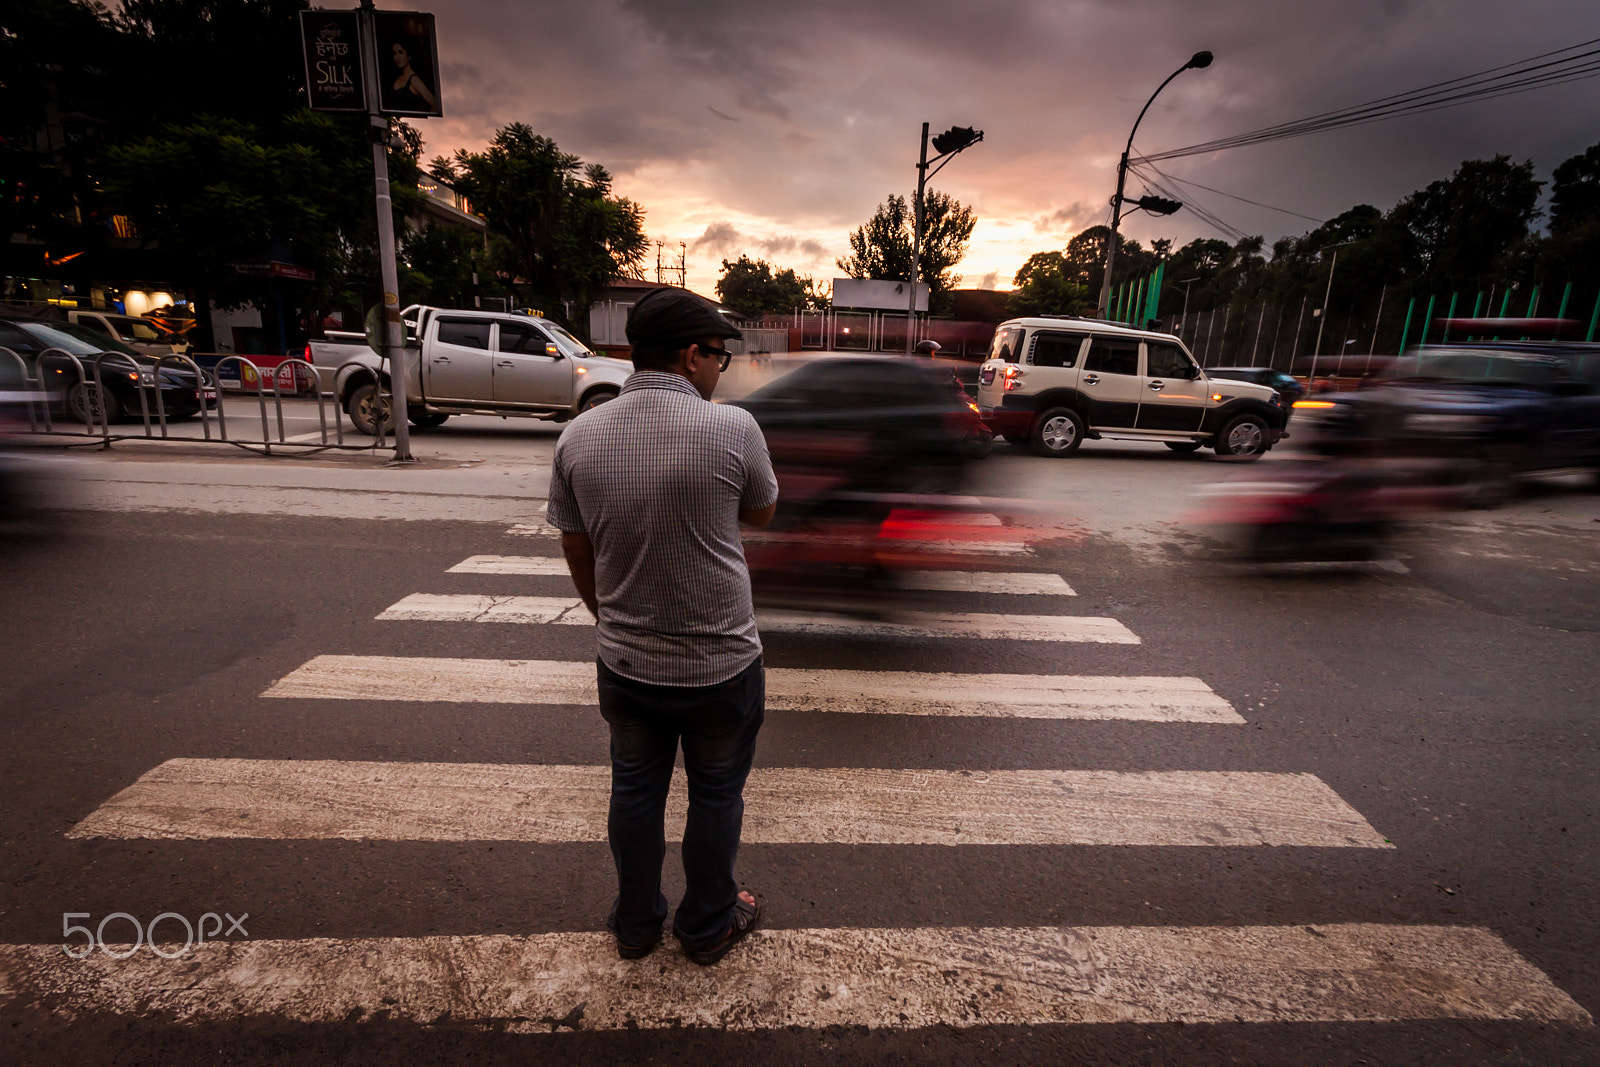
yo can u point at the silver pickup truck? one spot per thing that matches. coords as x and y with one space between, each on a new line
470 363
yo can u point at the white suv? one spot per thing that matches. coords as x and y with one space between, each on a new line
1050 382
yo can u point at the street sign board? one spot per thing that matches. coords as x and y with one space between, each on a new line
330 43
881 295
408 64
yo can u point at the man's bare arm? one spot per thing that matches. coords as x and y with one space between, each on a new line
579 551
760 517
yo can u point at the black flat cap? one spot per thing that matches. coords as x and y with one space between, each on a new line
674 318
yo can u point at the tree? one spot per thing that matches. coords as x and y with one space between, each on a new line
1461 227
437 264
881 249
1046 287
1575 192
568 234
752 287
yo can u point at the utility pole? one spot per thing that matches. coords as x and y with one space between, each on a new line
916 241
394 329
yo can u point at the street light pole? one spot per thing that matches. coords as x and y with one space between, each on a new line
1198 60
394 338
1322 319
916 241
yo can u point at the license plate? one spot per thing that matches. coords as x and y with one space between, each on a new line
208 394
987 376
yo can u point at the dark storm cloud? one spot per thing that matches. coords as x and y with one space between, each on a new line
829 95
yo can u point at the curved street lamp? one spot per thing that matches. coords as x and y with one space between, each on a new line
1155 204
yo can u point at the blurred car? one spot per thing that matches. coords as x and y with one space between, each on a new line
1484 413
1286 384
126 376
868 450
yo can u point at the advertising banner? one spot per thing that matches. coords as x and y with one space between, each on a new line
330 41
408 64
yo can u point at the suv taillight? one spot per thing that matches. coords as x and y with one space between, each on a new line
1013 375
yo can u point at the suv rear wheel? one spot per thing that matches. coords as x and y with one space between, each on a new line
1057 432
1244 436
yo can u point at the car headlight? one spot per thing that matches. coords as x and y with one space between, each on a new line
1428 422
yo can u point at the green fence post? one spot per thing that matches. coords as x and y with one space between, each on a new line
1152 307
1427 320
1595 318
1533 303
1444 336
1566 294
1405 331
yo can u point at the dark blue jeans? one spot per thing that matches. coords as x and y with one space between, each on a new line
717 725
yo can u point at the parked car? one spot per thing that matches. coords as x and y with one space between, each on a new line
143 334
471 363
124 377
1486 413
1050 382
1286 384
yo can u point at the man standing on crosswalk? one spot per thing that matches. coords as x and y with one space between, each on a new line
648 492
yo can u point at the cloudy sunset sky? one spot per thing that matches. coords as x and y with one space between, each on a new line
774 129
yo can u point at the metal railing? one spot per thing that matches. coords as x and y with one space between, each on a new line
86 405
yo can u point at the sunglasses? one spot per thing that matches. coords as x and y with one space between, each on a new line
724 356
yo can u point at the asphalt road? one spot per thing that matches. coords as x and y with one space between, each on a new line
1440 705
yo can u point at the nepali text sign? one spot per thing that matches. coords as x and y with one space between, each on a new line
331 42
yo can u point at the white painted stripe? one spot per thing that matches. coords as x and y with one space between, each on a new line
981 549
303 799
884 978
534 529
495 681
511 565
1019 583
953 624
569 611
453 607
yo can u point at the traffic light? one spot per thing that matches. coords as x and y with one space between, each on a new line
955 139
1158 205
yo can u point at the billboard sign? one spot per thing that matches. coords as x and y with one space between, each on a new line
408 64
330 41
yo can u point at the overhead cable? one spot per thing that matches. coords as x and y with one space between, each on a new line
1575 63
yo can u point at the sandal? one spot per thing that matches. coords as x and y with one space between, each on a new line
745 917
637 952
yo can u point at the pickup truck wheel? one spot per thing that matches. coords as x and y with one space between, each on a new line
1057 432
596 398
427 420
1245 436
368 407
1184 446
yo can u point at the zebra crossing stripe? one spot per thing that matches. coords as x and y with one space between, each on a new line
197 799
813 978
491 681
569 611
1021 583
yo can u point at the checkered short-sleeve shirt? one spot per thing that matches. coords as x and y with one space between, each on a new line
657 478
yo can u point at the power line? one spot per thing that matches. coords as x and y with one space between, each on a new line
1199 210
1505 80
1231 196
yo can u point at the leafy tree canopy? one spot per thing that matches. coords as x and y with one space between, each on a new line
881 248
567 234
1460 227
1575 192
752 287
